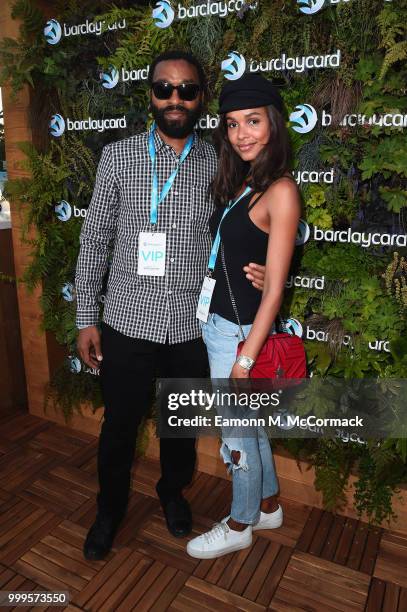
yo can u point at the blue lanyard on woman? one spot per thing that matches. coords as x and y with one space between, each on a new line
156 198
216 242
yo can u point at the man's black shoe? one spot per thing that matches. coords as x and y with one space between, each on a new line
178 516
100 537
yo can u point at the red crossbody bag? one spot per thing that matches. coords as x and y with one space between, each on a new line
281 356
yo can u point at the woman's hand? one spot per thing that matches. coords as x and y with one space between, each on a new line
239 372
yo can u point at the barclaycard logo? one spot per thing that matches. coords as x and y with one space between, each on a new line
234 66
292 326
110 78
52 32
57 125
75 365
309 7
303 233
68 292
304 118
163 14
63 210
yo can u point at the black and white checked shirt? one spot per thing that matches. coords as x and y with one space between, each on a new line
146 307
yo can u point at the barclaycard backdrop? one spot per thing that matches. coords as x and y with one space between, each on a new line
309 122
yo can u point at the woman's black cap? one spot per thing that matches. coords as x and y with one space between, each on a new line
250 91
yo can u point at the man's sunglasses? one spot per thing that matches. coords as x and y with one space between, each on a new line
186 91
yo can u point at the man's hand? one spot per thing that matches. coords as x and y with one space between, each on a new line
255 273
89 346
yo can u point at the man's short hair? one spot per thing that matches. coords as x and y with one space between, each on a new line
175 54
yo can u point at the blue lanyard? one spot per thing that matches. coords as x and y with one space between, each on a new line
155 198
216 242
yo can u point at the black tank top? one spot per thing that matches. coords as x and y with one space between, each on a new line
243 242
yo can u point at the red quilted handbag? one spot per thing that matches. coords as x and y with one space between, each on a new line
281 356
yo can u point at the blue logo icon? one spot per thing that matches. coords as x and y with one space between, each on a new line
110 79
284 415
303 233
234 66
309 7
68 292
304 118
163 14
74 364
53 32
292 326
63 210
57 125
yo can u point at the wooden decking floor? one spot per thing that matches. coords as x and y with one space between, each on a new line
48 484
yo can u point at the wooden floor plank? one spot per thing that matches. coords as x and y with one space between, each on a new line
309 529
376 595
261 572
357 549
22 427
274 576
302 599
345 541
324 581
115 589
127 583
131 601
371 550
254 558
402 600
332 540
101 579
40 576
170 592
48 486
321 534
391 562
35 527
61 440
391 597
221 595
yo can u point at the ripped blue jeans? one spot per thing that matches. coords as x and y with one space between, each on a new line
254 477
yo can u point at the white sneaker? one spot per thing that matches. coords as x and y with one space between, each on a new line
220 540
269 520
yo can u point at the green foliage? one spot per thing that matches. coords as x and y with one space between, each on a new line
333 461
393 30
380 469
365 294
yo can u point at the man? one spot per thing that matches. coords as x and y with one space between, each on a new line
151 201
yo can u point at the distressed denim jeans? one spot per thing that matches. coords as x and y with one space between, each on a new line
254 477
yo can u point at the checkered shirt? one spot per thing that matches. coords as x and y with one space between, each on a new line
154 308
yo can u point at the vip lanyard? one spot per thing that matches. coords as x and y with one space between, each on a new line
155 198
216 242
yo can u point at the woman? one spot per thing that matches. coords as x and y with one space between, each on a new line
260 224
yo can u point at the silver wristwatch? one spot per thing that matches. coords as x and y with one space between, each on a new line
246 362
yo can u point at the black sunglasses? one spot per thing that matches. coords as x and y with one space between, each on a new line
186 91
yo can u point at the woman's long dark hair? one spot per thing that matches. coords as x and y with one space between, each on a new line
271 163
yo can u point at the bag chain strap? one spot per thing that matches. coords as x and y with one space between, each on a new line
278 320
232 297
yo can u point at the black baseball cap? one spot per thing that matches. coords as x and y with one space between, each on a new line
250 91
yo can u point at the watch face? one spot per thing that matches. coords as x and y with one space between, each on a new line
245 362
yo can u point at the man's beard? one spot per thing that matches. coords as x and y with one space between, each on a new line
176 128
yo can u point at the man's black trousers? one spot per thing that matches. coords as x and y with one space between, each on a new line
127 372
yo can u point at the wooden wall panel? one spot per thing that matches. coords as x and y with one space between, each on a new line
13 394
17 129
